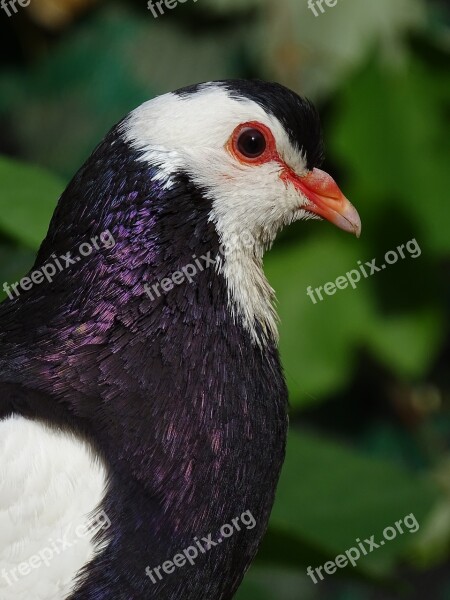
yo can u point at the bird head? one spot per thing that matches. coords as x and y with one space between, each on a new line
254 150
218 167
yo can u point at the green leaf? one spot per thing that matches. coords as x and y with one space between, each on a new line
396 149
314 54
407 341
269 583
329 496
63 107
319 338
15 261
28 196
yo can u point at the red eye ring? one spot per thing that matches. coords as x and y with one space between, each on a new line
257 148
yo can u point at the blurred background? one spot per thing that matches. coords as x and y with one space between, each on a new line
368 368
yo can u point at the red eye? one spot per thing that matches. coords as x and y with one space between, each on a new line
253 143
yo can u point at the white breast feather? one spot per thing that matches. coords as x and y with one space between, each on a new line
49 484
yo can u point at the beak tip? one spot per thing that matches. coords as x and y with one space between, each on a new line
350 214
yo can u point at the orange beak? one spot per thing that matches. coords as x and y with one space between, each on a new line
326 199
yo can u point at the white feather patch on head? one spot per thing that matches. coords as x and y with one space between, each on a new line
189 133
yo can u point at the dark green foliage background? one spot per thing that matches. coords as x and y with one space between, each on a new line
368 369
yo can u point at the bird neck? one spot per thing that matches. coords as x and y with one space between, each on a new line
188 412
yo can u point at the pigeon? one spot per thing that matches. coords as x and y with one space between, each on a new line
143 407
